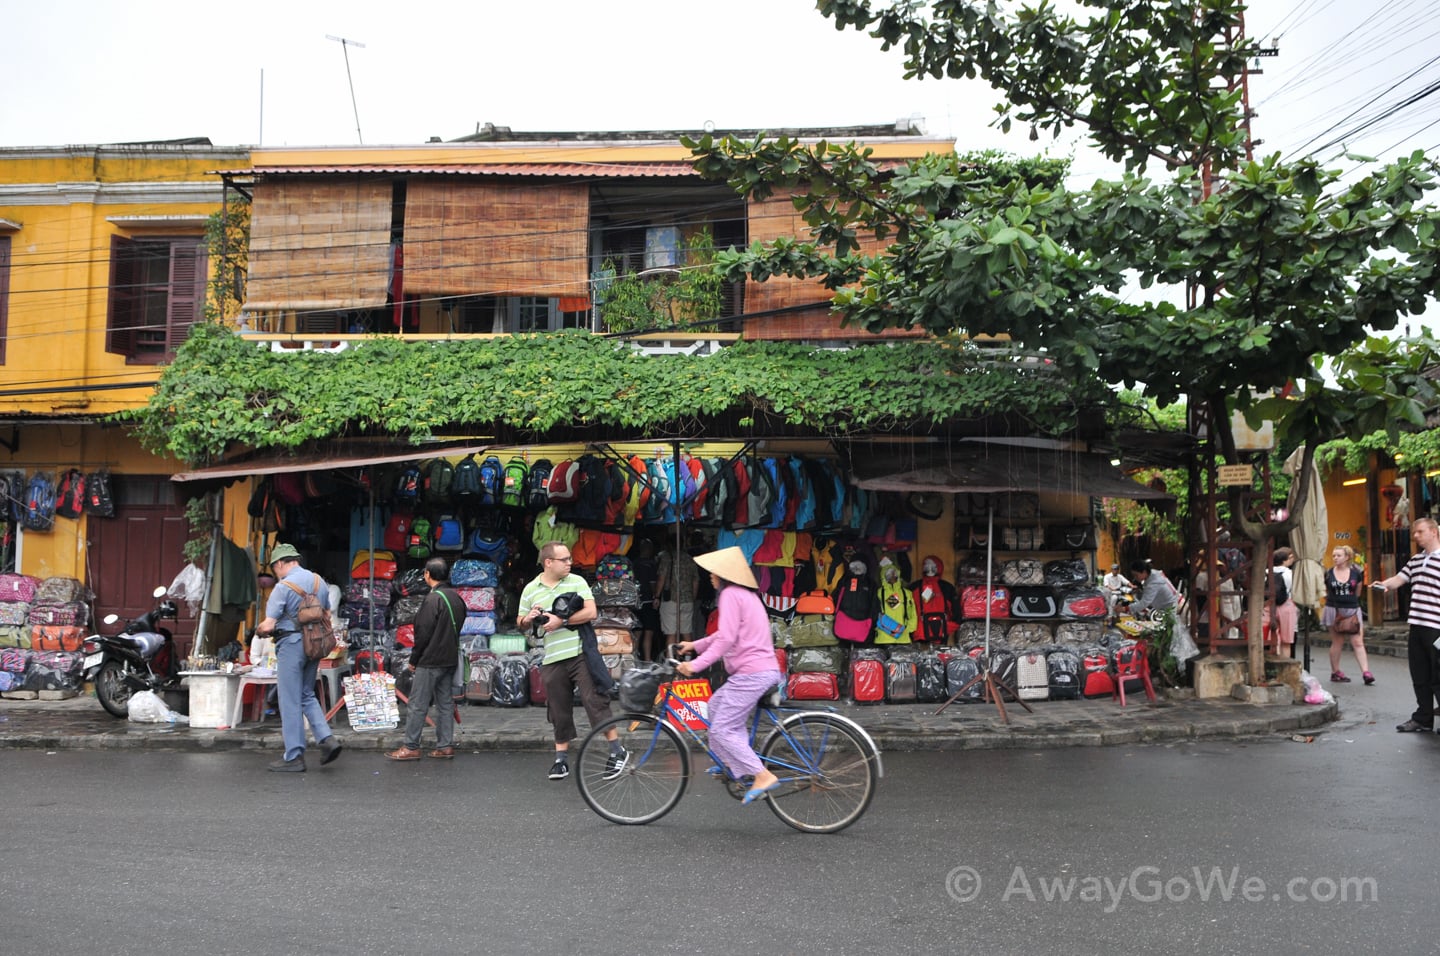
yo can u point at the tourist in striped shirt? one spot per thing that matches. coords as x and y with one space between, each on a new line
1422 573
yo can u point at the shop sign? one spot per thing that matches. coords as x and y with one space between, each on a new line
693 707
1231 475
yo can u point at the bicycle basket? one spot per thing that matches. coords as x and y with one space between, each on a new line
640 686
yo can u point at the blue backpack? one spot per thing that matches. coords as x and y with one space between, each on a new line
492 479
449 533
488 545
407 485
39 512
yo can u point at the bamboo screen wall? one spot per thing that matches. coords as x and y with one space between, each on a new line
319 245
771 219
488 238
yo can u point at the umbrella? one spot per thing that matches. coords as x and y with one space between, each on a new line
1309 537
1308 540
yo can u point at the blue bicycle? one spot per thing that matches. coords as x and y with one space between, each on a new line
827 764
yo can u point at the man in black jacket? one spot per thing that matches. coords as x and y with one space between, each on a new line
433 660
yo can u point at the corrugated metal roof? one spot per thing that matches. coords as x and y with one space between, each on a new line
615 170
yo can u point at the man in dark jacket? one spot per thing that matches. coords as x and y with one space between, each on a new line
433 660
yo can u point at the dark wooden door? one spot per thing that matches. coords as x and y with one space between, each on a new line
139 549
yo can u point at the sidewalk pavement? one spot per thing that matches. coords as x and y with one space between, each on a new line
79 723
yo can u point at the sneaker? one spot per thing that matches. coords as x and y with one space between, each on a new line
616 764
288 766
560 771
1338 677
1411 727
1369 678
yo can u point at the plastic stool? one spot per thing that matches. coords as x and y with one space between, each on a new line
248 680
328 680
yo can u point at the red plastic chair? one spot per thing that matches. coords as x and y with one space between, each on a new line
1132 663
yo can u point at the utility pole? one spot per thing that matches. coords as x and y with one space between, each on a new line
345 46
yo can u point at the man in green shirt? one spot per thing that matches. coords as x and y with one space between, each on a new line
563 665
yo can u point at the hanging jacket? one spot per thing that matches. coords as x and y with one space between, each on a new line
935 595
896 600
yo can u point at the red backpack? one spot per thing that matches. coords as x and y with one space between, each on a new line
564 482
70 495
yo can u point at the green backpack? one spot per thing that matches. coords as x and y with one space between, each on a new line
419 546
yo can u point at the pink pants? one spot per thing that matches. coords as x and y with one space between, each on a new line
730 710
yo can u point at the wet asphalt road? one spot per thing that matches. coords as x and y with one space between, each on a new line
1250 846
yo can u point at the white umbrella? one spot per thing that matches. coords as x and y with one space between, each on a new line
1309 537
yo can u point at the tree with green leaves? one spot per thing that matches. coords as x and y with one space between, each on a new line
1256 277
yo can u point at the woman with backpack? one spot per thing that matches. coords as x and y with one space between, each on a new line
1286 615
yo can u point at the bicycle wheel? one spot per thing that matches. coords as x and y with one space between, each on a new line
827 772
653 779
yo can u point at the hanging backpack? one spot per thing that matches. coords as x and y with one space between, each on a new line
492 477
39 503
70 494
465 483
515 480
537 494
488 545
564 484
396 535
449 533
407 485
98 499
439 476
417 542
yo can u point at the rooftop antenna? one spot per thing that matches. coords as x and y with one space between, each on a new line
345 46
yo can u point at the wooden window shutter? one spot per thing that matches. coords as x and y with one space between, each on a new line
496 238
120 333
187 292
776 217
320 244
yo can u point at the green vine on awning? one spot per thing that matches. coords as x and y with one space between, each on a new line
223 391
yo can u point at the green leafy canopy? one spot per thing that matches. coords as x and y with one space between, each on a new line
223 391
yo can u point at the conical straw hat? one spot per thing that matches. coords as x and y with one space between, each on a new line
729 564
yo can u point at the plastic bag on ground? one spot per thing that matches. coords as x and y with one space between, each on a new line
146 707
1314 692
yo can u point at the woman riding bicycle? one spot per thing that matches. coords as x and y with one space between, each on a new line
744 642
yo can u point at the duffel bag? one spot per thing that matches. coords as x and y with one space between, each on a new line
1022 571
474 573
617 617
615 640
59 590
73 614
13 613
1033 602
477 599
616 592
56 637
827 660
360 592
1083 603
18 587
478 622
1066 573
363 617
812 685
973 600
811 630
405 610
15 636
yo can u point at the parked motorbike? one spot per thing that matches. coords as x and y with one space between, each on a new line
141 657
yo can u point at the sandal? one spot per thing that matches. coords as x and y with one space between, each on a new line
1368 677
1338 677
405 753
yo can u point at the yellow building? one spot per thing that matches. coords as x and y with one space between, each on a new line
103 270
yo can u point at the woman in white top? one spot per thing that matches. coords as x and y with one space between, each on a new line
1287 615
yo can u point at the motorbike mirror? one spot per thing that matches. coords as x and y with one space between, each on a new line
111 618
158 592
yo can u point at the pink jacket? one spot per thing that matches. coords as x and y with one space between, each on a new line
743 639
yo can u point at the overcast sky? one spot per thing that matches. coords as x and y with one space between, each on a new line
98 71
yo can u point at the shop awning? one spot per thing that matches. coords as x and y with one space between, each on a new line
224 474
990 468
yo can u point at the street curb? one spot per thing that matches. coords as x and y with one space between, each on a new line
184 739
